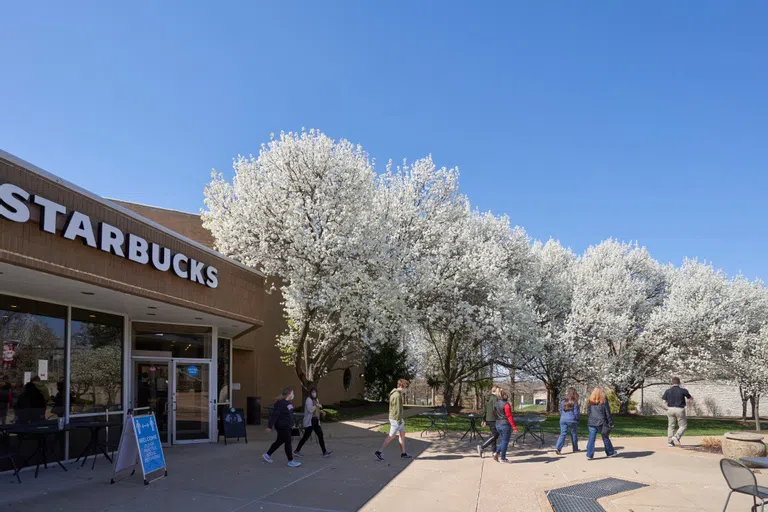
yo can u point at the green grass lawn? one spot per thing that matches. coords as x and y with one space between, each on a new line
624 426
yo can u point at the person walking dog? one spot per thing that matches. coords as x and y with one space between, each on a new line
396 420
674 399
281 420
569 420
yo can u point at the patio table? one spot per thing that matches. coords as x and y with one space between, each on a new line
472 430
40 432
433 426
531 425
94 446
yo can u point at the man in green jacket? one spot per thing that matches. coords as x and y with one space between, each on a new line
490 420
396 420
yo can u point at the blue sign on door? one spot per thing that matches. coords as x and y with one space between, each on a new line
192 371
148 441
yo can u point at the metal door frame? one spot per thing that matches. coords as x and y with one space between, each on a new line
211 401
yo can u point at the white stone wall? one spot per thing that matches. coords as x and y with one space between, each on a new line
711 398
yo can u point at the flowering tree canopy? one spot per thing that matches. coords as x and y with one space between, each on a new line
302 211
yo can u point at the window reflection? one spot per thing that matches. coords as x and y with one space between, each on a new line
32 376
224 371
96 362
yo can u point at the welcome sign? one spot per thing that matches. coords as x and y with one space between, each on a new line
15 205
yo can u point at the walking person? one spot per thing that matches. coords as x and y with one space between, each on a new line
312 412
490 421
674 399
396 420
569 420
281 420
505 425
600 420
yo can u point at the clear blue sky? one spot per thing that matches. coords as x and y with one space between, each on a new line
580 120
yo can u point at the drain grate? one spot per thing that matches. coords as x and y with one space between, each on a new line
583 497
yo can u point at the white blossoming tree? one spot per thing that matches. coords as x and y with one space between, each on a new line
550 291
303 212
618 288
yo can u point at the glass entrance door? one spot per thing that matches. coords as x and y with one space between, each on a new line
151 388
192 402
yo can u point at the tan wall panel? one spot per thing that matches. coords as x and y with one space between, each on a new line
240 294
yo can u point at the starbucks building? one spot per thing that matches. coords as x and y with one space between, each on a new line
106 306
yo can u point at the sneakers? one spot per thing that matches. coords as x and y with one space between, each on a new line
294 464
614 454
557 451
405 456
590 458
297 454
267 458
496 457
378 456
480 450
327 454
671 444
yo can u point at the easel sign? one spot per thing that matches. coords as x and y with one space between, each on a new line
140 444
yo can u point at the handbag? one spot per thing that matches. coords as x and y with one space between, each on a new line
605 429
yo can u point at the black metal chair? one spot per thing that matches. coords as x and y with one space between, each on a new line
8 452
742 480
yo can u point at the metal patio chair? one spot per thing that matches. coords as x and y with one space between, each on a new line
741 479
7 451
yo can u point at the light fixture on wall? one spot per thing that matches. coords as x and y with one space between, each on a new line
13 306
151 307
88 293
91 316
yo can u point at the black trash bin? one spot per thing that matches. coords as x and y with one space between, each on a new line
253 410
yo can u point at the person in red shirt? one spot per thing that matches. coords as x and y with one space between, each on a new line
505 424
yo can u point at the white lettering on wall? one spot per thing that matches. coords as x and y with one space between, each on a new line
138 249
178 259
48 213
14 206
79 226
111 239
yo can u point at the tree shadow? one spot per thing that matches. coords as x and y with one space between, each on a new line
634 455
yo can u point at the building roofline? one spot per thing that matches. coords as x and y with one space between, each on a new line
115 199
125 211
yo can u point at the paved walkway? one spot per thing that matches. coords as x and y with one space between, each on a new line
447 475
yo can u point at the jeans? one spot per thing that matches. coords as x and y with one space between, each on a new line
505 432
676 415
564 428
494 436
591 443
283 438
315 427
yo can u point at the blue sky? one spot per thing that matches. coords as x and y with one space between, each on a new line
581 121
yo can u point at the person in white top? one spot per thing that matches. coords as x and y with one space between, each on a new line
312 412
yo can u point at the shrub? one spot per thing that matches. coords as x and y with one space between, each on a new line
613 401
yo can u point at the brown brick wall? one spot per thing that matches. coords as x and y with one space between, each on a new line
239 296
186 224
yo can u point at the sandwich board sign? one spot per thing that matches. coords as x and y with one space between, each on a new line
140 445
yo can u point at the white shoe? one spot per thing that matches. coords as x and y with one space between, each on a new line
294 464
297 454
267 458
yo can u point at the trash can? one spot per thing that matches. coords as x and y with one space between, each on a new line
253 410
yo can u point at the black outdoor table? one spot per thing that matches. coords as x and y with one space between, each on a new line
472 430
41 432
433 426
94 446
531 425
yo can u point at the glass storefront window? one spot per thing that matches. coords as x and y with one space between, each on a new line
224 371
96 365
33 370
167 340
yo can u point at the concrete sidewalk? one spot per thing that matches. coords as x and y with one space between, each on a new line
447 475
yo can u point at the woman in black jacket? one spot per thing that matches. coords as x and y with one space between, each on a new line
281 420
600 420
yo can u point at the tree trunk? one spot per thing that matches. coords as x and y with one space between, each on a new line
553 396
447 394
457 402
512 389
434 397
752 401
757 412
744 400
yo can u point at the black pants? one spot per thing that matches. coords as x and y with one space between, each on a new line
283 437
494 436
315 427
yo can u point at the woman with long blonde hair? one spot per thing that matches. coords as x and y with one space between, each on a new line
600 420
569 420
